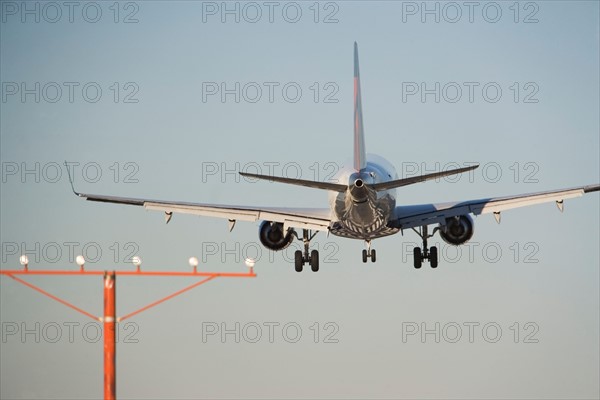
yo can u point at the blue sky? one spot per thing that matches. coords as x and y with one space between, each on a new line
167 137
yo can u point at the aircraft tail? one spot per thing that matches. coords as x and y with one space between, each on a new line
360 156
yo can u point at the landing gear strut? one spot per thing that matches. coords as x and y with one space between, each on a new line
310 257
431 254
368 252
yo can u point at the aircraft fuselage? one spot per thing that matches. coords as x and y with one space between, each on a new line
361 212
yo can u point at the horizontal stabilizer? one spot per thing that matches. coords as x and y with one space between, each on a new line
336 187
421 178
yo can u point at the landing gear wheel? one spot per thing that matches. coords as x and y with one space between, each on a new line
417 256
298 261
303 257
368 252
433 257
425 253
314 260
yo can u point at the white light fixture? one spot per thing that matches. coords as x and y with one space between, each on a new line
193 262
250 262
136 261
24 260
80 260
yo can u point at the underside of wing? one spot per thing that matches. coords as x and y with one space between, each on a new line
302 218
427 214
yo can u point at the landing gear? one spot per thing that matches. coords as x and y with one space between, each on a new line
369 253
312 257
431 254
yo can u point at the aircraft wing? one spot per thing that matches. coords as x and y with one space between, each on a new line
427 214
303 218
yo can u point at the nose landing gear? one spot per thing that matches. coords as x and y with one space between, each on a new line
368 252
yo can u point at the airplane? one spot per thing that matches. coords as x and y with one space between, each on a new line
362 205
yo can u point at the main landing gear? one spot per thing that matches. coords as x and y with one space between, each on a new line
301 258
431 254
368 252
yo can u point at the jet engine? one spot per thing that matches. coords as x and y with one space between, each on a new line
273 237
457 230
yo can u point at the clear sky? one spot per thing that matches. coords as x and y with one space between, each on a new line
167 100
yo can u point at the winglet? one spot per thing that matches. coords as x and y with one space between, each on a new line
591 188
360 158
71 180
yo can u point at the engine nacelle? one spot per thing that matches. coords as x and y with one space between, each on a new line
457 230
273 237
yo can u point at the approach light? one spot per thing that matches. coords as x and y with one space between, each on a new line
24 260
193 262
136 261
80 260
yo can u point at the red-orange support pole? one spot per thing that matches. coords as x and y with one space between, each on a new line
110 317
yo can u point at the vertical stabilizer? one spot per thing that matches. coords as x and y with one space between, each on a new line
360 156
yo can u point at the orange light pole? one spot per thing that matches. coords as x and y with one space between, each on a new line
110 351
110 301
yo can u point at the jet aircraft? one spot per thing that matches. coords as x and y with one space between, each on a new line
362 206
